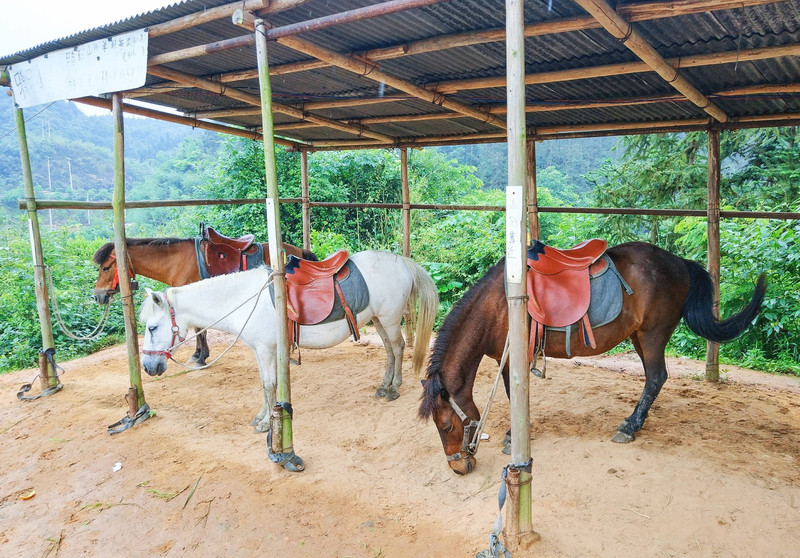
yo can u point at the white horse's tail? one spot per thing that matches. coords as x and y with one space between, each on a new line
424 291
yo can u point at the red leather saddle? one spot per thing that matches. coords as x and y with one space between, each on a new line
558 287
311 288
224 254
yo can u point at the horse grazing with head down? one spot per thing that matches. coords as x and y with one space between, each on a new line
666 289
172 261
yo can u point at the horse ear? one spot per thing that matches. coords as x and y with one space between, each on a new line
424 383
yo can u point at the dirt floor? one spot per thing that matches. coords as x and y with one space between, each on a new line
714 472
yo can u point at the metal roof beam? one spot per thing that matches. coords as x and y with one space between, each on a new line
625 32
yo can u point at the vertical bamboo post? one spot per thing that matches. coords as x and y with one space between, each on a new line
533 198
712 349
135 401
406 230
283 390
49 379
305 199
519 534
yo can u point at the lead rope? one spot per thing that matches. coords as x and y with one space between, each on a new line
57 312
257 296
476 438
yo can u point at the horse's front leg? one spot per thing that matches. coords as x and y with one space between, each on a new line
201 350
393 342
266 371
655 371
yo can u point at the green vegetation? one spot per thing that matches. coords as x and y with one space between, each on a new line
456 247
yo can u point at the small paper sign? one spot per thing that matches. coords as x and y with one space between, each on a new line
514 215
109 65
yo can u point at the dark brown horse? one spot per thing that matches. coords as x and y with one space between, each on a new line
170 260
665 287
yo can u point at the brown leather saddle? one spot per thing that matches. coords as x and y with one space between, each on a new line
312 287
558 288
222 254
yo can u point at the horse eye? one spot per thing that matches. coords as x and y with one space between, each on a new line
152 329
108 267
449 428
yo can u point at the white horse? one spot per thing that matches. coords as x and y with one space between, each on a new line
240 304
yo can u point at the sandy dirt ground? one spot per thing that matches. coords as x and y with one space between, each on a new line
714 472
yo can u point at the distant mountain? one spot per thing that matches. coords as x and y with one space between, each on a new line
72 153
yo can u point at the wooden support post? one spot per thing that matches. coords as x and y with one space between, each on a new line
283 394
533 198
121 248
305 200
519 534
47 374
406 231
712 349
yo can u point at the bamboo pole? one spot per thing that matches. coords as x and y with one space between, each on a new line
371 71
406 212
49 378
631 38
186 121
283 395
316 24
264 7
518 530
712 349
632 12
43 204
222 89
533 198
121 247
624 68
305 197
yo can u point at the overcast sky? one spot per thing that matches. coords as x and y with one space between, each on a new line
27 23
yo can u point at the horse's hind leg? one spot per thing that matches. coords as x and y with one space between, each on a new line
651 350
393 342
201 351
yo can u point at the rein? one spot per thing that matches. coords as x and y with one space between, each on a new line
181 340
473 429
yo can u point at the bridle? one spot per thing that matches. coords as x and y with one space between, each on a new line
176 333
115 282
472 428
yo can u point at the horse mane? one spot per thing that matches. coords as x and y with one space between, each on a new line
434 386
105 250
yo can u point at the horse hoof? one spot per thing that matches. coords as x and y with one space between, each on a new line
380 393
623 438
261 427
507 449
391 394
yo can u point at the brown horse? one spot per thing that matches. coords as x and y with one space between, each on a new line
665 287
170 260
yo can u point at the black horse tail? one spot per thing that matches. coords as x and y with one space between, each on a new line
697 308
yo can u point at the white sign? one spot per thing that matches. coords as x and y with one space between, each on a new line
114 64
514 212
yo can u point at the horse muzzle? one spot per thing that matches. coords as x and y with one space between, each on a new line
103 296
154 364
463 465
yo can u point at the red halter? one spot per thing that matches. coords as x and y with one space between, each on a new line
115 281
176 333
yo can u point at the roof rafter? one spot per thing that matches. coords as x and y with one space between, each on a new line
631 38
254 100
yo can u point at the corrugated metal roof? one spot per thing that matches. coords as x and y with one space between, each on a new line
729 29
